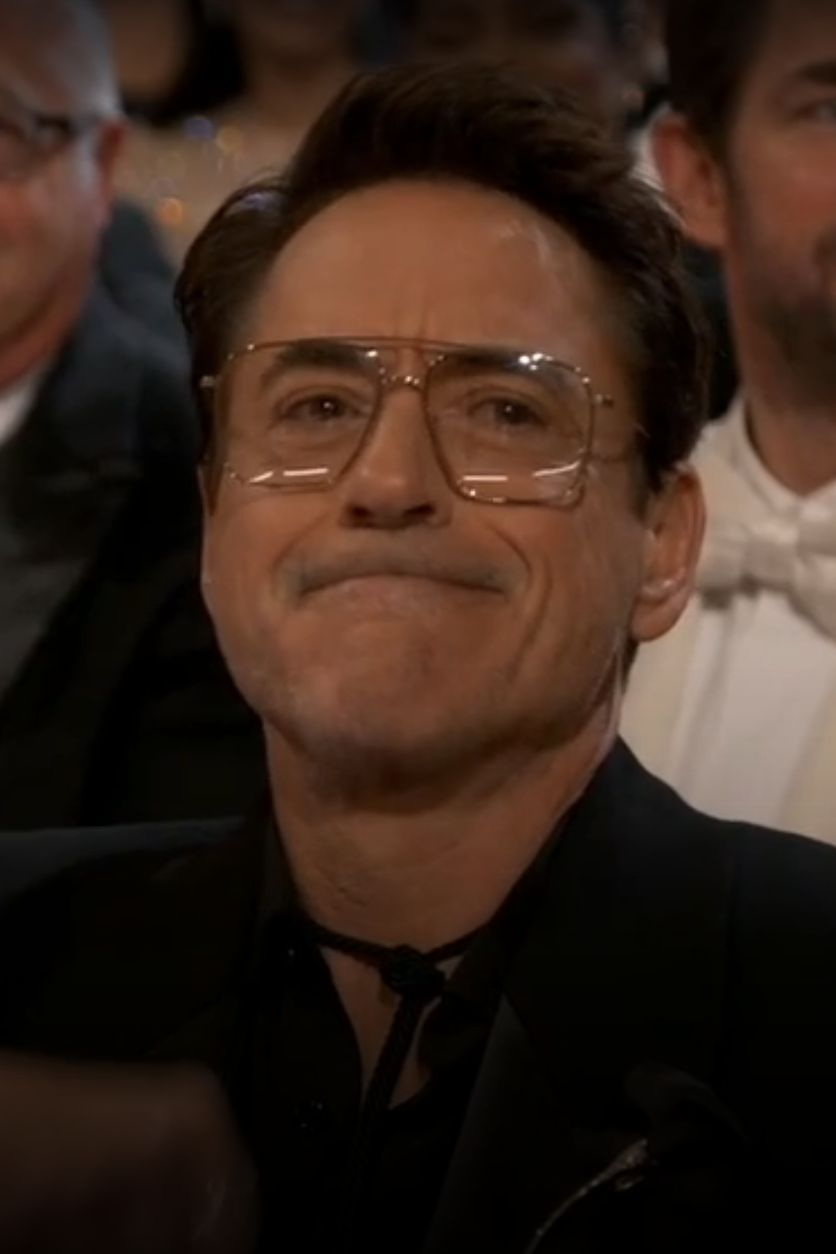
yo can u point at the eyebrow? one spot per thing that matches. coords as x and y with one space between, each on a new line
331 354
814 74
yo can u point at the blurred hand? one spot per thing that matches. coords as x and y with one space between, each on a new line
105 1160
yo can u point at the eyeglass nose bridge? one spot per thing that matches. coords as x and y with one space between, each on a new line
391 382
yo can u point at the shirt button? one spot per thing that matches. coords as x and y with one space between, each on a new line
313 1119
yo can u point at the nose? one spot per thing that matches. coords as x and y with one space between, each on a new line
397 481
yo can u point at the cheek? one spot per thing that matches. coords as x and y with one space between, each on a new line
596 572
787 177
247 535
233 554
49 216
23 213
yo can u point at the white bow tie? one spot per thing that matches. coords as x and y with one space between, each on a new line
747 544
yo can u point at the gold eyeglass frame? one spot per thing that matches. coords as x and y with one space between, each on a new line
433 353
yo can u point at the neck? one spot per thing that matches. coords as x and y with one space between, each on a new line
797 448
425 869
290 97
792 422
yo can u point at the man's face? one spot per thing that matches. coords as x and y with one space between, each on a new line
775 192
52 214
518 625
560 43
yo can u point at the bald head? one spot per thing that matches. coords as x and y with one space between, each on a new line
55 54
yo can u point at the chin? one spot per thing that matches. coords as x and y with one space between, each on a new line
368 739
368 761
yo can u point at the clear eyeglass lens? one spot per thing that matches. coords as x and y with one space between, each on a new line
516 428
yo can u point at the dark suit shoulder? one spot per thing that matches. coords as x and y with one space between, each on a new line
67 859
119 391
780 912
778 878
783 934
113 938
785 879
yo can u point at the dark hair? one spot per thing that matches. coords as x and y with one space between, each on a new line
485 127
711 45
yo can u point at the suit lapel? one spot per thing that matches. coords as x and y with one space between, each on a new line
89 400
104 620
519 1155
68 475
623 966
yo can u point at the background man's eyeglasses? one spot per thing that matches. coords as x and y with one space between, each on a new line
28 137
507 427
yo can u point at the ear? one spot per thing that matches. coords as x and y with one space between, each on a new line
110 142
693 179
675 525
206 488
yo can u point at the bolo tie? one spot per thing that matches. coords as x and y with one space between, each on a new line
413 976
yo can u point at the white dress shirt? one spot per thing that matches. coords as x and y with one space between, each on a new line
758 684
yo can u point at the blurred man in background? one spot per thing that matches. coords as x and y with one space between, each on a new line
97 505
737 708
580 45
259 73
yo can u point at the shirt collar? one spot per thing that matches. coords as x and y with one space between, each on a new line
478 980
746 460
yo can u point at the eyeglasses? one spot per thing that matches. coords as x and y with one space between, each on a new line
507 427
28 137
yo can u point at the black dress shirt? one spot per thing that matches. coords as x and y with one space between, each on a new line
298 1090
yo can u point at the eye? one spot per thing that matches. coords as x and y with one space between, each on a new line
324 407
820 111
320 408
505 412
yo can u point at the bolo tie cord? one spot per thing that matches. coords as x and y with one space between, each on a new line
415 978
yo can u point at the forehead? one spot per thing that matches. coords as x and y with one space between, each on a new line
451 263
37 71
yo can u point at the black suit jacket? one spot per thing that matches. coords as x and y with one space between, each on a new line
123 711
135 270
660 1075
